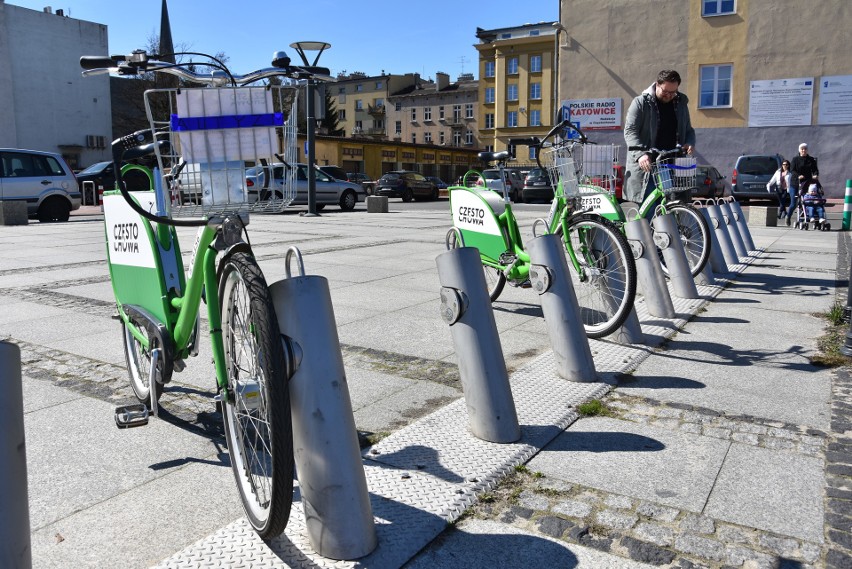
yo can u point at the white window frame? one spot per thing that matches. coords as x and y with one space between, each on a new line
413 114
512 119
457 113
535 117
535 64
468 137
427 137
398 127
427 114
535 91
512 66
717 4
715 82
468 110
359 105
457 138
441 137
489 69
512 92
489 120
489 94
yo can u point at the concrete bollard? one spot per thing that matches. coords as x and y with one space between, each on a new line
745 232
15 548
723 236
733 230
649 273
669 243
377 204
465 306
550 279
717 258
332 482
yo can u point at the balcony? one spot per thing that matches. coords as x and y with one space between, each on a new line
376 110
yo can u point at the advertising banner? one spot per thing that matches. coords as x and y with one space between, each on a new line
595 114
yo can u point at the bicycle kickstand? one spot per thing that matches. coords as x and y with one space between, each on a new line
129 416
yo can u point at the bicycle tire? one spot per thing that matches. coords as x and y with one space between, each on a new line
606 284
495 280
257 417
138 360
694 235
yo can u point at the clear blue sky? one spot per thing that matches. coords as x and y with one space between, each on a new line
397 37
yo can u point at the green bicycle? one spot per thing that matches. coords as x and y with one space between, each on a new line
202 138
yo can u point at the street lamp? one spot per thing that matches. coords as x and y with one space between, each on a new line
557 105
301 47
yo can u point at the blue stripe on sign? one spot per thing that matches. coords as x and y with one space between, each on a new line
184 124
676 167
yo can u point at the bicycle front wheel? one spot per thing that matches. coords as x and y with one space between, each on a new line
604 277
694 234
257 415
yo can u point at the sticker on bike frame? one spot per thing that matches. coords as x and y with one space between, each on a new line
127 238
472 213
597 201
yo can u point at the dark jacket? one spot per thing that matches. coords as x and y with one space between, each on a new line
640 129
804 166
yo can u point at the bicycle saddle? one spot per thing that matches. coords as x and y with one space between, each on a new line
493 156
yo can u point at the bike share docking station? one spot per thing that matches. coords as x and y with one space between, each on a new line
332 482
667 238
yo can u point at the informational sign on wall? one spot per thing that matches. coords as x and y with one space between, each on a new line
595 114
781 102
835 100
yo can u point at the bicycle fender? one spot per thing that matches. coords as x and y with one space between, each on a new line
139 315
240 247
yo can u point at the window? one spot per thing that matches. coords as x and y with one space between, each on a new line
359 126
535 64
512 66
535 90
380 103
532 152
359 105
427 114
535 118
468 137
359 87
505 36
441 112
397 106
413 115
512 92
397 127
341 90
378 124
489 120
441 138
512 119
21 164
715 86
489 69
378 84
457 138
413 138
718 7
468 110
427 137
489 94
341 114
456 113
535 32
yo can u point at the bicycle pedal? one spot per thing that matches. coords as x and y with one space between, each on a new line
130 416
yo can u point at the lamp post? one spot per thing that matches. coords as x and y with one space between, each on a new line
311 123
557 105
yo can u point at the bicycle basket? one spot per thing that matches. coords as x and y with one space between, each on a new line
675 174
559 163
214 134
597 168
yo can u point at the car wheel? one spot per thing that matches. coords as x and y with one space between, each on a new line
407 195
348 200
54 209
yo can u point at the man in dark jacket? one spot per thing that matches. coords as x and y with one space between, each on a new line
658 118
805 167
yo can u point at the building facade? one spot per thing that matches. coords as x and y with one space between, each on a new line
516 82
47 104
436 112
761 76
361 101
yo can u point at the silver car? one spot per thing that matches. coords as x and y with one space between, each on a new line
42 179
330 191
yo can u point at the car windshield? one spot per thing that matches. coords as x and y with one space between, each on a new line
95 168
758 166
491 174
390 177
535 173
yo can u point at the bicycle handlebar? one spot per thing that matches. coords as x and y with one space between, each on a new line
661 154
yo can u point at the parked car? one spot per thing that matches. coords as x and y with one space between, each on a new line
406 185
360 178
439 183
751 174
329 191
516 183
537 187
335 172
42 179
102 176
709 183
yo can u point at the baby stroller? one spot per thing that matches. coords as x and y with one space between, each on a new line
811 198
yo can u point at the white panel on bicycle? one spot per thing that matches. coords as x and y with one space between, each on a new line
599 201
127 239
475 211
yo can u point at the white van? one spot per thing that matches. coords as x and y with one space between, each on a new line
42 179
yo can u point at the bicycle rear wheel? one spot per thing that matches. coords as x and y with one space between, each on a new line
605 281
138 359
495 280
257 415
694 235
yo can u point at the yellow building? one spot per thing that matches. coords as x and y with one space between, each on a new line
761 76
516 85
